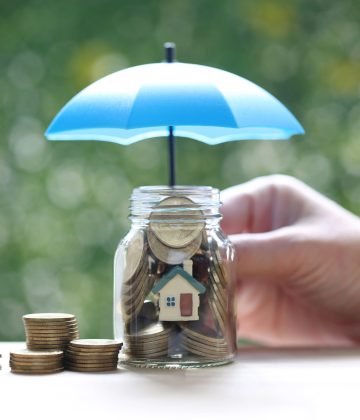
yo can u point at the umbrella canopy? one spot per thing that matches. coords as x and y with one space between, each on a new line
199 102
187 100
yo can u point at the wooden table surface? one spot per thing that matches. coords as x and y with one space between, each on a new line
261 384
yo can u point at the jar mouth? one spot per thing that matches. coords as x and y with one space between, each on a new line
176 189
204 200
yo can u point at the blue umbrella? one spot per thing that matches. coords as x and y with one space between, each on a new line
173 99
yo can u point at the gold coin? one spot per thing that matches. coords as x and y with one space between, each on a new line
218 295
51 327
169 221
31 365
84 363
91 361
217 315
199 352
219 346
36 347
217 262
51 334
149 354
91 369
34 354
129 297
46 343
88 358
196 329
73 335
76 352
54 317
169 255
134 254
42 359
131 306
44 321
38 323
96 343
42 338
91 356
132 285
36 361
36 371
161 340
56 323
206 348
153 330
143 340
148 348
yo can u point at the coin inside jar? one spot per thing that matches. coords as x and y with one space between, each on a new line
176 221
134 254
169 255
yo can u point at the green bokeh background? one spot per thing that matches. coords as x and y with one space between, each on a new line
63 206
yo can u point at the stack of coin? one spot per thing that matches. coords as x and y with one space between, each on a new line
208 345
147 316
218 293
49 331
92 355
137 280
149 342
36 362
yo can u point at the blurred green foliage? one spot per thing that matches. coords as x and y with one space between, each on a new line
63 206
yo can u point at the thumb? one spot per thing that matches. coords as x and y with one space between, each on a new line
266 255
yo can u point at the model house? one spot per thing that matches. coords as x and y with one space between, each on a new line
179 294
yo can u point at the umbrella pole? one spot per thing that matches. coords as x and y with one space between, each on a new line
170 58
171 142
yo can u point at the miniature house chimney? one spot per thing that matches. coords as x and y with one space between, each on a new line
188 266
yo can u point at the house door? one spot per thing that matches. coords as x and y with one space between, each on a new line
186 304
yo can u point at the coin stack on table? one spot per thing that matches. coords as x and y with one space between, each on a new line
92 355
206 344
35 362
50 331
151 341
173 236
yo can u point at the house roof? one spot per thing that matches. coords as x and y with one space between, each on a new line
171 274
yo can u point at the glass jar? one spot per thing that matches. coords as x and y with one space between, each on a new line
173 304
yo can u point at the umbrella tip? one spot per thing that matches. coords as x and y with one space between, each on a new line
169 51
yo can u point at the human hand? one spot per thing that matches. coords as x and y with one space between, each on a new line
297 263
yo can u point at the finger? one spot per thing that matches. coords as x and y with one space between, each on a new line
237 212
248 207
267 255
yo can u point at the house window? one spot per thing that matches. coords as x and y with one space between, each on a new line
170 301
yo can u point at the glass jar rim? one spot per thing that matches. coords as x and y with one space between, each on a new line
145 200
